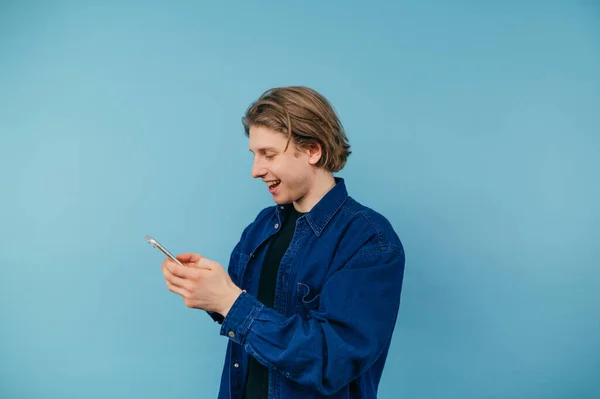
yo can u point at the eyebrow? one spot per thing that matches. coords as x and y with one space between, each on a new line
264 149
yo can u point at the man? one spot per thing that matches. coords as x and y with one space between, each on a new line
312 292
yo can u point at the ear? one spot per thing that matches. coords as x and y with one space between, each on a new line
314 153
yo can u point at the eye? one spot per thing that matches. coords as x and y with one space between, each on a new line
269 157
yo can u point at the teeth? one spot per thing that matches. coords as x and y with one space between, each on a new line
272 183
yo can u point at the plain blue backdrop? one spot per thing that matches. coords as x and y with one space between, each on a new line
475 130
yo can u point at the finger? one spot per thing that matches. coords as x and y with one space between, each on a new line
206 263
177 290
189 257
176 280
177 270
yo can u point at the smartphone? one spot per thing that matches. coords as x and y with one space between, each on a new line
156 244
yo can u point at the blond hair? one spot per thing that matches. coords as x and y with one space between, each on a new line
306 117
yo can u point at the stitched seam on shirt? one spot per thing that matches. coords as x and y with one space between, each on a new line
389 248
257 355
225 327
380 241
250 319
336 209
318 229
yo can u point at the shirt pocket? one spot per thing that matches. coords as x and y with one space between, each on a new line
308 299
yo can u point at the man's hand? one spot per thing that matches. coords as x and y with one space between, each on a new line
202 283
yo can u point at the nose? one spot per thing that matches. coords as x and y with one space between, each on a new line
257 169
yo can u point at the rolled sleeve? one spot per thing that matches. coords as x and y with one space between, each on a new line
240 317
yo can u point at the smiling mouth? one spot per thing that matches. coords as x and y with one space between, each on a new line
273 185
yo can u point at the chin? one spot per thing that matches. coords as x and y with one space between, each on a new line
282 199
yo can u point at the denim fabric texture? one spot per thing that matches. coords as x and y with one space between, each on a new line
336 302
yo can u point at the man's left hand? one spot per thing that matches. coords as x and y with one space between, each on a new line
202 283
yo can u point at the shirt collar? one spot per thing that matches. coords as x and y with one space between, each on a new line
320 214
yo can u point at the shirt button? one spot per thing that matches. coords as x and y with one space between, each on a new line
276 225
281 206
231 334
236 365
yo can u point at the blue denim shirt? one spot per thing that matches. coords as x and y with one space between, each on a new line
336 302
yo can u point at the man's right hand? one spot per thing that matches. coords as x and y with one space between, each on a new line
189 259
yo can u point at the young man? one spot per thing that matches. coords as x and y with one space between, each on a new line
312 292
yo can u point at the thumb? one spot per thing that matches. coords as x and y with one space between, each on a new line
205 263
189 259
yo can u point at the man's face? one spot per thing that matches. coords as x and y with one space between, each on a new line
288 175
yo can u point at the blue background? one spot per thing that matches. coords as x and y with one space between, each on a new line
475 130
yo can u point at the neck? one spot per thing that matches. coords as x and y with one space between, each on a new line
324 181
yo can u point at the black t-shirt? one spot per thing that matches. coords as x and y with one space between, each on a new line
257 383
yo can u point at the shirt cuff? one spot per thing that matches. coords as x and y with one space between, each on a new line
239 318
